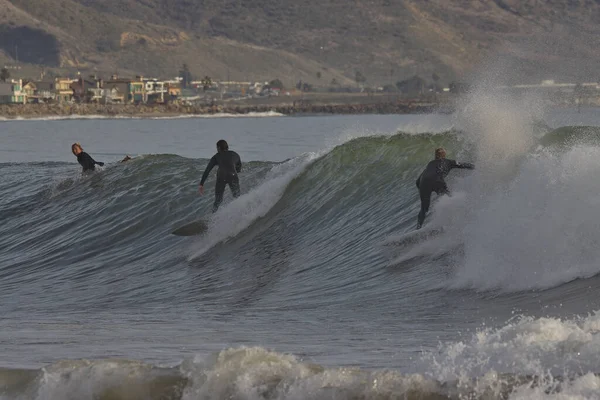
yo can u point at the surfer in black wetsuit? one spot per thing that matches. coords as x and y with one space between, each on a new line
432 180
84 159
230 165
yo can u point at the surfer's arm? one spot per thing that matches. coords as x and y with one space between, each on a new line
462 165
209 167
238 164
419 181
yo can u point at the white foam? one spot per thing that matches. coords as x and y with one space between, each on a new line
257 374
445 213
548 348
83 379
430 124
584 387
541 231
267 114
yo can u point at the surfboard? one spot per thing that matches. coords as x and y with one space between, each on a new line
192 229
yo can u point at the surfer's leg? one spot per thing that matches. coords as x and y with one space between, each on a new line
234 185
219 190
425 202
444 190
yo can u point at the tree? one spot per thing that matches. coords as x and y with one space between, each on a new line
276 84
359 78
307 87
4 75
186 76
206 83
458 87
412 86
334 82
319 75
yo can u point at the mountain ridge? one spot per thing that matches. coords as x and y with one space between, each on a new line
315 41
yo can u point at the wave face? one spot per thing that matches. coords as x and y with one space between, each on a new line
314 241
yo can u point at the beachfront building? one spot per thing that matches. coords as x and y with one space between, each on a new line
6 93
80 89
44 92
173 89
88 90
29 88
12 92
137 90
112 95
155 91
124 91
116 90
64 92
96 94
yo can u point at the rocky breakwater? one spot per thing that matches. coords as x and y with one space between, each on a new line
12 111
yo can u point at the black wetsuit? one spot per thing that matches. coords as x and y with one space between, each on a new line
230 165
87 162
432 180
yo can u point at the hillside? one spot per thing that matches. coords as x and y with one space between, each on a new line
386 40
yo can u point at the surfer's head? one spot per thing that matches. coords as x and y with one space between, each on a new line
440 153
222 146
76 148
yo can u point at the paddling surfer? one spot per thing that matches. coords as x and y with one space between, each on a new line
84 159
432 180
230 165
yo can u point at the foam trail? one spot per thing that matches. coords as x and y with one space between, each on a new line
236 216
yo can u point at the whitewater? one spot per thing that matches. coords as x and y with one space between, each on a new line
305 287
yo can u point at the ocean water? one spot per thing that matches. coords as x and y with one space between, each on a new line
310 285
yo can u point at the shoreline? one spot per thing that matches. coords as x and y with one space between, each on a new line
10 112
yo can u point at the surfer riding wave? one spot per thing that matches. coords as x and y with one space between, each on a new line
432 180
230 165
